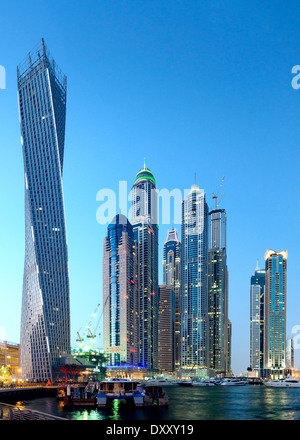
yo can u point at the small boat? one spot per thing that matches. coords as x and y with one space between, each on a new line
81 395
289 382
233 381
121 389
154 395
185 383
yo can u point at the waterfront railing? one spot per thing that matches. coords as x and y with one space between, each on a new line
13 412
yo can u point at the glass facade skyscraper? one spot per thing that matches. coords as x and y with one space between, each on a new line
45 318
145 229
219 360
275 312
120 293
172 277
166 329
194 236
257 320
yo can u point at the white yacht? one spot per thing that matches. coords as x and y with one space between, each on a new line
289 382
204 383
160 382
233 381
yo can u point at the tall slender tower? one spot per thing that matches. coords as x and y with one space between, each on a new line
275 312
120 293
194 348
45 320
166 334
257 320
218 293
145 229
172 277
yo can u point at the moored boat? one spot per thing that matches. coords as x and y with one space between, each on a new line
289 382
205 383
160 382
120 389
81 395
185 383
233 381
154 395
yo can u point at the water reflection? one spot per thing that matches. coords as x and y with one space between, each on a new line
252 402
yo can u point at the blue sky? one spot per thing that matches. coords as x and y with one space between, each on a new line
193 86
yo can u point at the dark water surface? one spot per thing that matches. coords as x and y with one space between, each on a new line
250 402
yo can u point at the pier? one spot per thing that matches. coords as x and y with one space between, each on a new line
26 392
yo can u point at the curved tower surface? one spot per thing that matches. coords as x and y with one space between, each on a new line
45 318
145 229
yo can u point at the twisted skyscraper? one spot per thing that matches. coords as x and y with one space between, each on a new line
45 320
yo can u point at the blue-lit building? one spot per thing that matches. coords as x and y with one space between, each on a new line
172 278
194 242
45 318
257 320
120 294
275 313
145 230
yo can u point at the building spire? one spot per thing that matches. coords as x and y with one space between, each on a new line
144 163
257 267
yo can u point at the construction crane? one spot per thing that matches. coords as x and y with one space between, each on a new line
88 333
215 196
93 335
80 338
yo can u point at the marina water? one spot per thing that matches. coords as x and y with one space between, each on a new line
250 402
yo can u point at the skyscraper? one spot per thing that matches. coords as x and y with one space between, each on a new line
45 320
172 277
275 312
194 348
145 229
120 293
166 327
217 293
257 320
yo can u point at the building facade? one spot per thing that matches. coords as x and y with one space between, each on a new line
217 293
166 329
145 229
120 294
257 320
194 236
172 277
45 318
275 312
10 357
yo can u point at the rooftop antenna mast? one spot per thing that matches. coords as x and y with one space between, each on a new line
215 196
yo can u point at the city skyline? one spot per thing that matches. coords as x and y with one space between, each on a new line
170 106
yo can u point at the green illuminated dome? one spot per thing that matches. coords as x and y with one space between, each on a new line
144 174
